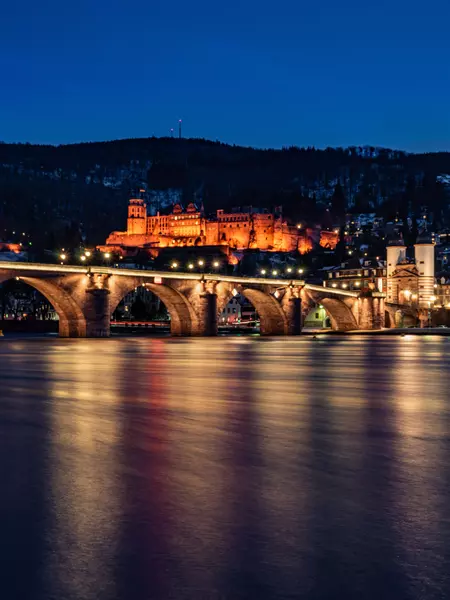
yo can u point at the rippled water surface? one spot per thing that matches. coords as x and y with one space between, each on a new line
225 468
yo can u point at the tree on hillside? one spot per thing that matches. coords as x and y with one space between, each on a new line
338 202
339 251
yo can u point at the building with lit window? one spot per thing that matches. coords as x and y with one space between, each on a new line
358 274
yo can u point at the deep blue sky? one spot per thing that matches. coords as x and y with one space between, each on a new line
252 72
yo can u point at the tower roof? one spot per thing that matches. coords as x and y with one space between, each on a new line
397 241
424 238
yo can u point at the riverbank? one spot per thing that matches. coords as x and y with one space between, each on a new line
395 331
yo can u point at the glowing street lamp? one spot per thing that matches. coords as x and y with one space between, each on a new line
62 256
216 264
275 272
190 266
300 271
263 271
83 258
289 270
107 255
87 253
174 265
201 263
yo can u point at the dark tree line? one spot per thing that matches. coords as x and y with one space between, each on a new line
58 192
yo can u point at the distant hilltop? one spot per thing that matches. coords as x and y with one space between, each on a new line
87 186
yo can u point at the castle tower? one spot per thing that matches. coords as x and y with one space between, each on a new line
396 252
424 255
137 217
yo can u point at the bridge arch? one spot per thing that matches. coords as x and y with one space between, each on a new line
340 313
273 320
72 322
183 320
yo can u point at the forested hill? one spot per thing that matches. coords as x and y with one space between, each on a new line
54 190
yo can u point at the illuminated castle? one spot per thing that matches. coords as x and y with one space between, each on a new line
249 229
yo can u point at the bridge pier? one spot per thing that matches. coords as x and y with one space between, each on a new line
371 311
207 315
293 312
97 312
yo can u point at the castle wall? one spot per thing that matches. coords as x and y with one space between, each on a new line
234 229
212 233
137 226
329 239
263 226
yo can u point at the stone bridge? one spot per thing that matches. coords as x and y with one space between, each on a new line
85 298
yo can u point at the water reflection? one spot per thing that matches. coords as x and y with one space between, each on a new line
225 468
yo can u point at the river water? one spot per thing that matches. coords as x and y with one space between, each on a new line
141 468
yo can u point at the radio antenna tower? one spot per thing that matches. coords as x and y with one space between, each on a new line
179 128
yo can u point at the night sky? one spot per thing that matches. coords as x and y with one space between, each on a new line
251 72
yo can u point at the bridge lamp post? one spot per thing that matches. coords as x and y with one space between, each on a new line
87 253
216 264
274 272
63 258
107 256
174 265
190 266
300 271
83 258
201 264
263 271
